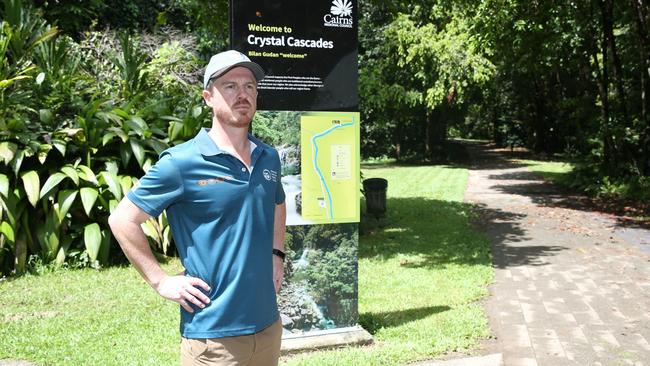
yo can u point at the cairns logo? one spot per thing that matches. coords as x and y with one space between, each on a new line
340 15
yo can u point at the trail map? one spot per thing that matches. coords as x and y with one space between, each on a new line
330 166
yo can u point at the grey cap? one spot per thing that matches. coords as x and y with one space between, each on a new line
224 61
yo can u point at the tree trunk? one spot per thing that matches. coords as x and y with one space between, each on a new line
437 134
497 136
642 34
603 87
625 150
541 129
427 133
641 21
398 140
608 29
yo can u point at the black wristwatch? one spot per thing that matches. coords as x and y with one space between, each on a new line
279 253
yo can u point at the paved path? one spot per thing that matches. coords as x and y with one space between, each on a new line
571 288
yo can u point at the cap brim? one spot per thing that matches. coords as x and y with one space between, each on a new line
256 69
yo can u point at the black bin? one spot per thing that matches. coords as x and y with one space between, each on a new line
374 189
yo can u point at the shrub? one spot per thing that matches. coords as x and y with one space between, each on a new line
78 126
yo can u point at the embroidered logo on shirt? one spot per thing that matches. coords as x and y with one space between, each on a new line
205 182
271 175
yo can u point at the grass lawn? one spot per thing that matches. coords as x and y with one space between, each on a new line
554 171
421 271
88 317
420 275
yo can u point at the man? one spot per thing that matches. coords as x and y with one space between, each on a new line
225 206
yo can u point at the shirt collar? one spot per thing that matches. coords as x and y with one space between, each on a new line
208 147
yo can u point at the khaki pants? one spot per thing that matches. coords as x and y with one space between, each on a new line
259 349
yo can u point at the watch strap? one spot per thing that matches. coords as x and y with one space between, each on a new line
279 253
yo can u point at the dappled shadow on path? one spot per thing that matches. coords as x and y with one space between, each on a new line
373 321
546 193
433 234
508 256
539 192
509 247
524 175
502 226
489 157
526 183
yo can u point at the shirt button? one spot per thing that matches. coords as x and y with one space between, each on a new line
243 169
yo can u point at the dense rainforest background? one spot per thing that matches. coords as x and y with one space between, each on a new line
91 91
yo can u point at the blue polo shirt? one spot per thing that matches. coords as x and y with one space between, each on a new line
221 216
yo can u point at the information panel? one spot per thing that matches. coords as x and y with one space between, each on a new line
308 111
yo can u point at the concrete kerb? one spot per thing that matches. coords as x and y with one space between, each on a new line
334 338
495 359
16 363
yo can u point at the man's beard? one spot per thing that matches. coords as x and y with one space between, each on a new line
235 119
238 122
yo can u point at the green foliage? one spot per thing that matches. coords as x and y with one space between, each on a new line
170 68
328 270
419 67
569 77
78 125
442 60
332 278
552 76
74 16
130 63
277 128
637 188
20 33
98 50
206 20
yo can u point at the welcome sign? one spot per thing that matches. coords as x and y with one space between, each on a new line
309 52
308 49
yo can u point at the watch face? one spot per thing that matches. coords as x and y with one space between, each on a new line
309 52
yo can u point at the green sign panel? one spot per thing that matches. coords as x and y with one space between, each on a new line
330 166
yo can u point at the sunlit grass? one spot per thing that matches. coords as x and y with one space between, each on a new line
555 171
421 271
88 317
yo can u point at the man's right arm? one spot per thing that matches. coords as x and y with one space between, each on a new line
125 223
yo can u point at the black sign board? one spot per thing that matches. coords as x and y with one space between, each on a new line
307 48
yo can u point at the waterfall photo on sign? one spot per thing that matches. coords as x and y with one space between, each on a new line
320 289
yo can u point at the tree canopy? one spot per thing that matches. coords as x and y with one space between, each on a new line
557 77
